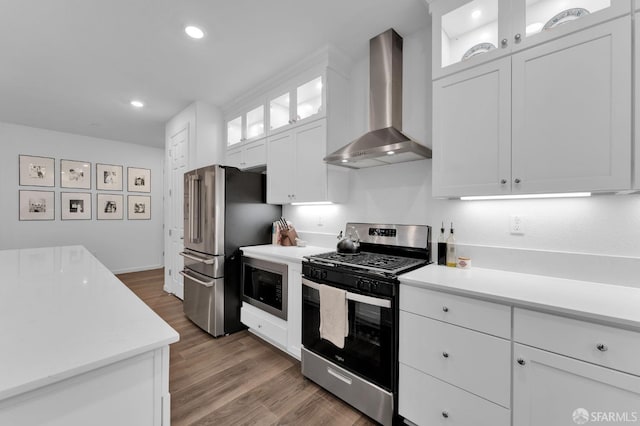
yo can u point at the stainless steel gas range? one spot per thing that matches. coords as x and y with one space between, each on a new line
360 365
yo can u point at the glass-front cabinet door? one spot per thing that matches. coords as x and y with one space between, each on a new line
234 131
469 32
537 21
254 126
296 103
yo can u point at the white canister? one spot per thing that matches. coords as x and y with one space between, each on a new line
464 262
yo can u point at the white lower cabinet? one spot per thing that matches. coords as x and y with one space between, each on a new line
453 374
286 335
425 400
266 325
568 370
551 389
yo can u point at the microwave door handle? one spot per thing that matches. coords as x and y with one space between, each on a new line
361 298
192 278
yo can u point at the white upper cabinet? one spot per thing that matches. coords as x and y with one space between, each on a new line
571 122
296 103
472 131
555 117
246 126
469 32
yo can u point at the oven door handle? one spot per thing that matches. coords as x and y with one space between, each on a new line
192 278
383 303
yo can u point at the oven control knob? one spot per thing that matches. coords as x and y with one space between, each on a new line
315 273
323 275
364 285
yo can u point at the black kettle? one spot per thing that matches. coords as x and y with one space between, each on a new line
348 245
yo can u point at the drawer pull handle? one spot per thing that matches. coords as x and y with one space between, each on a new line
521 361
445 309
602 347
445 414
445 354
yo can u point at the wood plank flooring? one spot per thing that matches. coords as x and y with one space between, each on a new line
237 379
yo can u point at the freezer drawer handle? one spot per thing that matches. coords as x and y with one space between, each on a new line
197 259
204 283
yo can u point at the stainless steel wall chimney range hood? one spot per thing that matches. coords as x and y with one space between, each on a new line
385 143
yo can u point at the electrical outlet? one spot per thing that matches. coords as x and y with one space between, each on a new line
516 224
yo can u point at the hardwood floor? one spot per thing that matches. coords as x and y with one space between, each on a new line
237 379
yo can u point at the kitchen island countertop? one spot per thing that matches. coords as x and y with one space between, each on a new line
614 304
63 313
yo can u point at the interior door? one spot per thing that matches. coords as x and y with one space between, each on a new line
178 166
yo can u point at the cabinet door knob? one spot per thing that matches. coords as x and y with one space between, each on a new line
445 414
517 180
602 347
445 309
521 361
503 181
445 354
518 37
504 42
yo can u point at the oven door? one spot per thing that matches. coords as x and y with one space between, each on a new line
369 349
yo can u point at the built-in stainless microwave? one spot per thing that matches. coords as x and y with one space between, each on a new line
264 285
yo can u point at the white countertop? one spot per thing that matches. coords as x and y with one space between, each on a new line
284 253
614 304
63 313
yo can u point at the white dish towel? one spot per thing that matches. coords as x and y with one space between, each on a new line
334 323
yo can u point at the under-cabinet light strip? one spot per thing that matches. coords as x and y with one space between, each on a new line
315 203
527 196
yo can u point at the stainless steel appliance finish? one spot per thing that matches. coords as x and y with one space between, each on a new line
366 368
265 285
385 143
224 209
376 402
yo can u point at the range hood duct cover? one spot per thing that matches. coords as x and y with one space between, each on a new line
385 143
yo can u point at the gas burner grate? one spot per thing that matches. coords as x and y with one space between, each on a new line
370 261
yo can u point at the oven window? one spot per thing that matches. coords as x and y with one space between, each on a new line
369 347
263 286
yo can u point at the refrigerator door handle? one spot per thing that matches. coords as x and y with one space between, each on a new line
198 259
194 211
192 278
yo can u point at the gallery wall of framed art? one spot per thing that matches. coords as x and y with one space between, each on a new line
57 174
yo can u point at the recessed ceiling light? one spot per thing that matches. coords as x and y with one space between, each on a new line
137 104
194 32
476 14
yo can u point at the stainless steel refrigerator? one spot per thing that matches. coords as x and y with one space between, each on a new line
224 209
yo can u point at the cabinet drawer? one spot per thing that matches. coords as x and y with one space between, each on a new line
487 317
470 360
427 401
600 344
265 325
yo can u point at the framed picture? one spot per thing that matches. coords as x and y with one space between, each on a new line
139 207
108 177
139 179
36 171
37 205
110 207
75 205
75 174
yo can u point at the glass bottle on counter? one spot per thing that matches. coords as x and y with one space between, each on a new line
442 247
451 249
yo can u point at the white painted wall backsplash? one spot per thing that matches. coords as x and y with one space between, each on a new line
592 239
121 245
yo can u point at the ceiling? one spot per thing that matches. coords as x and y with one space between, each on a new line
74 65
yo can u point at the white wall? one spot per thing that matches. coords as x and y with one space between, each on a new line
122 245
594 239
